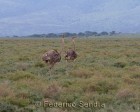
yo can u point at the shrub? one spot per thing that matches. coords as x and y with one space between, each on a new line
5 107
120 64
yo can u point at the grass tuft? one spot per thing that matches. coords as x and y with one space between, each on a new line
81 73
21 75
125 94
120 64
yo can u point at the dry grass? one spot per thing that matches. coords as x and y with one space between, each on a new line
106 70
125 94
6 90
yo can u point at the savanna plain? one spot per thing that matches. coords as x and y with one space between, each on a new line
107 71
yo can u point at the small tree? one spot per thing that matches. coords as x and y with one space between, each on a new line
81 34
112 33
103 33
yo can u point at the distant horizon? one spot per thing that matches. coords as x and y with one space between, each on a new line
21 18
117 33
68 32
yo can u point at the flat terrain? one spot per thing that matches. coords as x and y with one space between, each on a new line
106 73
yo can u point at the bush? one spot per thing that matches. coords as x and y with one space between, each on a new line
4 107
120 64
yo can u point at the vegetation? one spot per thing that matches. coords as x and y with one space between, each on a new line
107 71
68 34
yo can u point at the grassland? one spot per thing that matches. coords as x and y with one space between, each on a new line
106 71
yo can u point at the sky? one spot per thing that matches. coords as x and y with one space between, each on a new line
26 17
